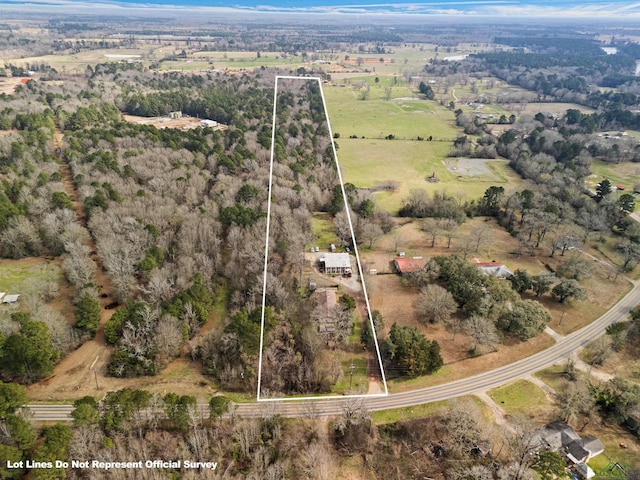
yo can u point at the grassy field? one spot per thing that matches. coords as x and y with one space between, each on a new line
13 273
424 410
369 161
626 174
77 62
520 397
323 230
359 382
612 436
552 376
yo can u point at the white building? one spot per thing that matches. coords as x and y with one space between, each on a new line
336 263
10 298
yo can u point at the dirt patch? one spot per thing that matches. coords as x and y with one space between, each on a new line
471 167
8 84
184 122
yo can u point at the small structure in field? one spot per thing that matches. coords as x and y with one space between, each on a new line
409 264
10 298
339 263
497 269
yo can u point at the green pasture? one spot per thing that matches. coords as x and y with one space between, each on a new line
626 174
323 230
360 383
368 161
553 376
519 397
232 60
13 273
405 115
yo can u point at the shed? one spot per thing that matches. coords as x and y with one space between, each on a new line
409 264
496 269
10 298
584 470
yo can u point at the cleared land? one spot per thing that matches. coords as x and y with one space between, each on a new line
78 62
184 122
9 84
13 273
369 161
626 174
552 376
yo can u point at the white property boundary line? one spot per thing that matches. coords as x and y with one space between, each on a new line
355 249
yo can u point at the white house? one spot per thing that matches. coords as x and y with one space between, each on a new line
336 263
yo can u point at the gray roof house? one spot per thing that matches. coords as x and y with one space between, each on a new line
557 435
336 263
496 269
560 437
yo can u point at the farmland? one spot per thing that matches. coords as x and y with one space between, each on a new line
369 161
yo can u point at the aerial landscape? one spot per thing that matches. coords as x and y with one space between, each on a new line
319 240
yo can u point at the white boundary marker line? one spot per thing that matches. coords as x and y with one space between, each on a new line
355 249
266 242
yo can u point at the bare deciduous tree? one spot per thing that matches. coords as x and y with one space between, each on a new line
483 332
435 304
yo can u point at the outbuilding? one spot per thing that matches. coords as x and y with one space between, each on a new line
10 298
496 269
409 264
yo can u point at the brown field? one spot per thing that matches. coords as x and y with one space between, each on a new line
395 301
553 108
9 84
185 122
75 380
624 364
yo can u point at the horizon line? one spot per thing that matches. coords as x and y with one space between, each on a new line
527 9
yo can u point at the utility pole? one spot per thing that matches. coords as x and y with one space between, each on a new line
351 368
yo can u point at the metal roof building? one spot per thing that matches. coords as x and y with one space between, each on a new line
336 262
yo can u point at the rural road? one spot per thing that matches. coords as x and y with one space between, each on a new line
477 383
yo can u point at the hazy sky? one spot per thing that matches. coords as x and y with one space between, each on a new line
593 9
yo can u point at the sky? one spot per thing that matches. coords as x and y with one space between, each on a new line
551 8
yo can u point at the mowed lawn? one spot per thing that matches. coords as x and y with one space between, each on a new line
13 273
372 160
626 174
521 397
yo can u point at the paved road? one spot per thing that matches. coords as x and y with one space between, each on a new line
493 378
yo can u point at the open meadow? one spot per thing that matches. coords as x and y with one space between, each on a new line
369 161
626 174
78 62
